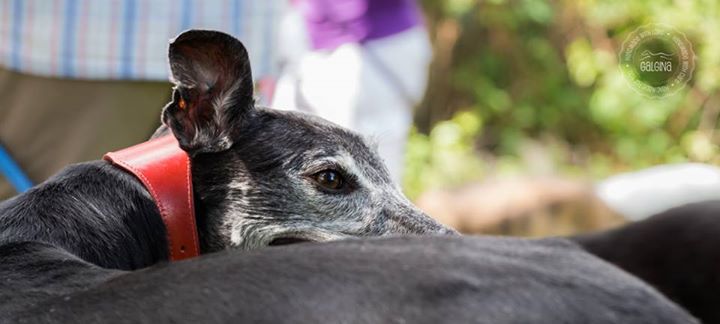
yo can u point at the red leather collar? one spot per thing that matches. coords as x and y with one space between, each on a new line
164 169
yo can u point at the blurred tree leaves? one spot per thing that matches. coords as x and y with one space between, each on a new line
510 72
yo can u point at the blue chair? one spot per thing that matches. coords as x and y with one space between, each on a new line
13 173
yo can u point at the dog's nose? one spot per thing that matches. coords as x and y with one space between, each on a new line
449 231
415 221
440 229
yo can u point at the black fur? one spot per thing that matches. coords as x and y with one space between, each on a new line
677 251
396 280
251 172
92 210
252 175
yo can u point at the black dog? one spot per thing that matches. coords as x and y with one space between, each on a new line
397 280
261 176
677 252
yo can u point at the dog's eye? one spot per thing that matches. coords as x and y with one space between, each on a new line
330 179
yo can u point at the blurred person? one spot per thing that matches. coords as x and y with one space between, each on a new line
79 78
362 64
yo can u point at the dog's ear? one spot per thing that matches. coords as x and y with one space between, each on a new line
213 90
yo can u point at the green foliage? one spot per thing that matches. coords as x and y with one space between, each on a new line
546 72
445 156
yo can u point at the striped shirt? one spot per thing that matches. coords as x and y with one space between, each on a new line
126 39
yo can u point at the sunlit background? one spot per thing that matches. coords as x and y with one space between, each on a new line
533 87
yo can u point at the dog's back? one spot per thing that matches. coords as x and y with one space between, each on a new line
402 280
93 210
677 251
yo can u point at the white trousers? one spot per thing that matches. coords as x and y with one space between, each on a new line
370 88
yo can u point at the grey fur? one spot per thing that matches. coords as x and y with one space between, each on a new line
251 165
267 194
252 176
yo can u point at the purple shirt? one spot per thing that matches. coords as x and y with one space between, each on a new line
332 23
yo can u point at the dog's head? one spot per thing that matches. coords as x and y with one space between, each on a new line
265 177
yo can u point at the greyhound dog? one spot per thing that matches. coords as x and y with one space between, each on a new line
260 177
440 279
